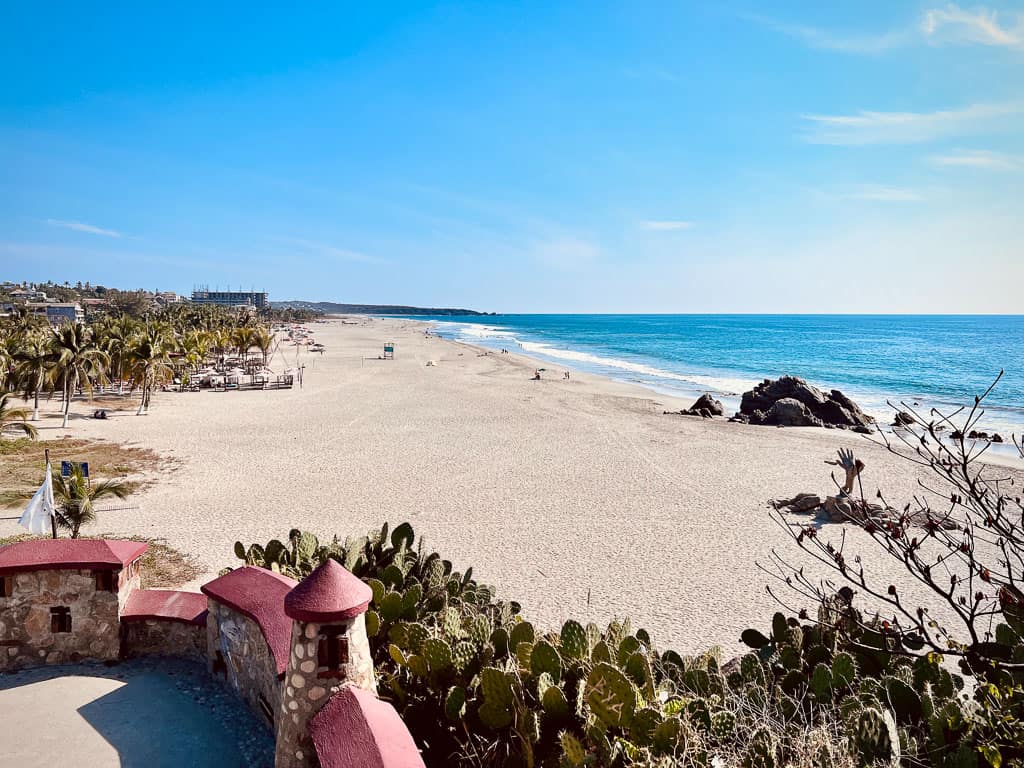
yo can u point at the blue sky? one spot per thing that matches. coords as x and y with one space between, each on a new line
562 157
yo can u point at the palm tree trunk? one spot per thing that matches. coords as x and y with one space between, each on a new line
142 400
68 387
35 406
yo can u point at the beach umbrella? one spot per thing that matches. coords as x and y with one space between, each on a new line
38 516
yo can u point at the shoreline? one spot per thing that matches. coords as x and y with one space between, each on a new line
668 378
577 498
997 454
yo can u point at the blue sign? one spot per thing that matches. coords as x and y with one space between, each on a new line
65 468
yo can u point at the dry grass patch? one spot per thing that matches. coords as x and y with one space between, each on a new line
163 566
23 463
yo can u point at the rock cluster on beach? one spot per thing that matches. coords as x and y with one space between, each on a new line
705 406
792 402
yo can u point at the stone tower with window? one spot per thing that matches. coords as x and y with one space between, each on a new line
329 649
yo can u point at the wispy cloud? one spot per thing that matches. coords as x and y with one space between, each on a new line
324 249
953 24
979 158
666 225
78 226
949 24
824 39
910 127
884 194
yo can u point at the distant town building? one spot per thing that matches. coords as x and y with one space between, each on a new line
24 294
256 299
58 312
167 297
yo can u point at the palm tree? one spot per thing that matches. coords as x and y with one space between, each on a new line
33 359
151 359
263 339
193 347
78 360
73 498
14 419
115 338
6 357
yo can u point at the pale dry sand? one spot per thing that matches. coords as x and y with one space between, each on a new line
577 498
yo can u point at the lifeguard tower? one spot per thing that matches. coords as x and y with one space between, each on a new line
389 350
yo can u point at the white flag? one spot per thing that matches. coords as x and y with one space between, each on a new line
37 514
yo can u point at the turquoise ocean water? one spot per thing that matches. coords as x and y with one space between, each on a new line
936 361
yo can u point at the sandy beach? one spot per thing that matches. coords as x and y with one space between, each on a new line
576 497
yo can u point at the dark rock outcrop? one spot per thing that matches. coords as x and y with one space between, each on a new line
707 403
790 401
903 419
705 406
995 437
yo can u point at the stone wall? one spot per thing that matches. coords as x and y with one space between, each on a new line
26 638
163 637
238 653
305 693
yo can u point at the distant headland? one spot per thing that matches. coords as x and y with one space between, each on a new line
333 308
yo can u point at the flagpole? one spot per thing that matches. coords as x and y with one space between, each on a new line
53 512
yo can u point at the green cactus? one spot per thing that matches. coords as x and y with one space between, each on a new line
523 653
610 695
573 640
667 736
544 658
453 623
554 703
572 750
462 655
304 546
645 722
904 700
627 647
276 552
821 683
500 641
499 697
762 751
480 629
723 725
437 653
600 652
875 738
698 714
372 623
397 655
398 633
417 665
393 577
433 573
410 600
455 703
593 634
522 632
638 667
402 535
496 687
843 670
378 589
391 606
418 635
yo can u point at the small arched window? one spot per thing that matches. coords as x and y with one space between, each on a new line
332 652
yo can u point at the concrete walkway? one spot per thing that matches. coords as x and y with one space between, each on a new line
144 713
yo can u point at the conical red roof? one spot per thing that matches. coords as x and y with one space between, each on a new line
330 593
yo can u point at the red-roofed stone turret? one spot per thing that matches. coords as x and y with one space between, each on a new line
329 649
330 594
